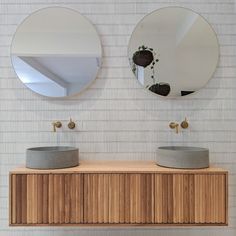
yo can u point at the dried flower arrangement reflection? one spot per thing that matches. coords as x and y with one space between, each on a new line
144 57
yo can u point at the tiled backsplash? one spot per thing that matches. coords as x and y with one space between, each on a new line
116 118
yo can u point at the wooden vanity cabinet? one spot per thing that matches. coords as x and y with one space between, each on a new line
110 195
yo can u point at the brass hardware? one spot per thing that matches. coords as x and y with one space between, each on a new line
184 124
175 126
71 124
56 124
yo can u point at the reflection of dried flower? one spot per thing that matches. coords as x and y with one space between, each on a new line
144 57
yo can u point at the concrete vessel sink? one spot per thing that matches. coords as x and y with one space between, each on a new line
55 157
183 157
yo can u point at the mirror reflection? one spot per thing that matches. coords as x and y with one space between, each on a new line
173 52
56 52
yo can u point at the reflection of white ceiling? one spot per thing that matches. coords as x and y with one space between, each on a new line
64 72
28 74
68 69
71 69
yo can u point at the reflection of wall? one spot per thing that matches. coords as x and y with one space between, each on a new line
116 118
73 35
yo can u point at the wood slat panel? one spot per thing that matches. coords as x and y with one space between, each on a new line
139 198
174 198
191 183
114 198
72 185
45 201
121 198
127 204
40 199
79 197
13 198
30 205
68 199
19 199
210 198
178 200
24 199
103 198
96 198
170 198
51 199
56 199
159 199
61 196
118 198
89 207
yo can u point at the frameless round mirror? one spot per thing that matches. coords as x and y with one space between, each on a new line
56 52
173 51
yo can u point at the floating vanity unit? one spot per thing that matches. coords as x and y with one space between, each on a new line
118 193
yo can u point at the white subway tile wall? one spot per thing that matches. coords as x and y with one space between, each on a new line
116 118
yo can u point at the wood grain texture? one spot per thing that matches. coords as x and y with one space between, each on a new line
119 198
140 198
210 198
46 199
116 167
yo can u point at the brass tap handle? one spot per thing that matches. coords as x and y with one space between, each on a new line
175 126
56 124
184 124
71 124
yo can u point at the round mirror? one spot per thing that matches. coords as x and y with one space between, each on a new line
56 52
173 51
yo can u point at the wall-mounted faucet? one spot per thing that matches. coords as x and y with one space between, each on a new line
56 124
184 124
174 125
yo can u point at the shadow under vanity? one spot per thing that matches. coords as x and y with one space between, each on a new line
172 52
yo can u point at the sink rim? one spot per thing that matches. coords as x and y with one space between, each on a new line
52 149
174 148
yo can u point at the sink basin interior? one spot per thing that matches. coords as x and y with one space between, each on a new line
52 157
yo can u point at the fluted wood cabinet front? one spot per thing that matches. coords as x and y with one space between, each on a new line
47 199
118 198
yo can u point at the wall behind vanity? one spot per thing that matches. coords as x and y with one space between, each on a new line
116 117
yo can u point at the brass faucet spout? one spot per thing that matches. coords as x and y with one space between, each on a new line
56 124
175 126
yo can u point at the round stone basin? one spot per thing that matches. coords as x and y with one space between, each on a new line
54 157
183 157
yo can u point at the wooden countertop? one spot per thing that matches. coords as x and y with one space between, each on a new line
116 167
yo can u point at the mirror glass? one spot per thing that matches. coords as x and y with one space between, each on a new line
56 52
173 52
